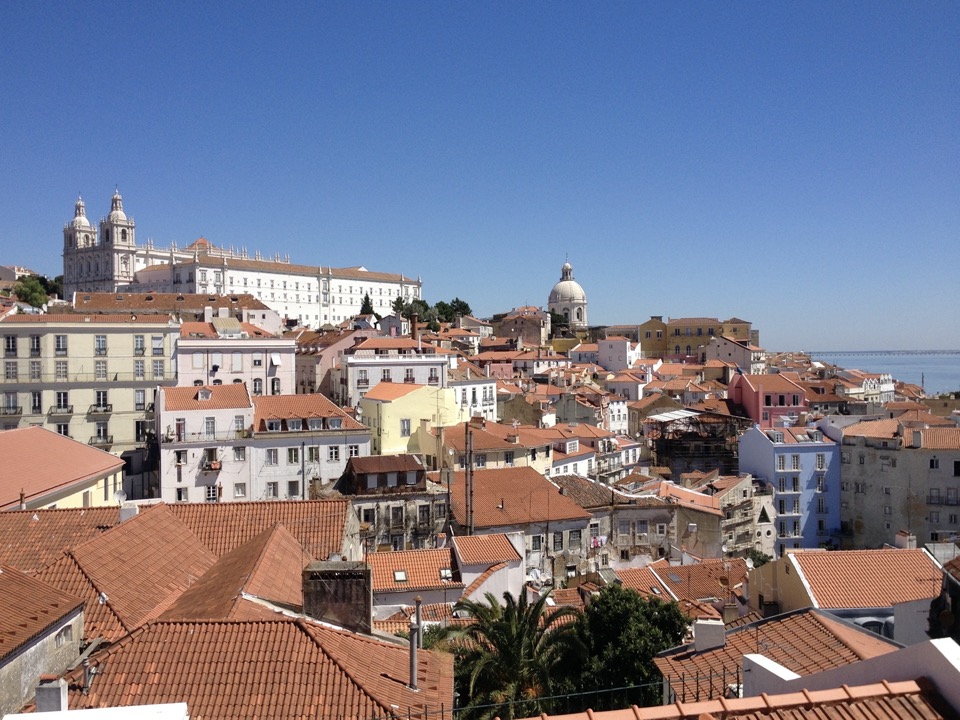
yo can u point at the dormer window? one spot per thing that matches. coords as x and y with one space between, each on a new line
334 423
315 423
204 394
295 424
446 574
273 425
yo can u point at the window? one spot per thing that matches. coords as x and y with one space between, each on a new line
35 370
10 370
934 463
60 344
859 487
138 345
239 490
293 456
63 429
423 514
862 459
239 453
100 344
353 450
557 541
794 462
821 461
139 370
100 370
385 374
139 399
934 516
781 462
396 515
258 359
36 402
887 510
782 484
480 460
408 375
10 345
293 488
271 456
404 427
796 484
574 540
536 543
508 458
257 386
158 369
182 494
101 399
821 506
333 453
272 489
63 400
64 635
212 493
821 484
274 386
157 343
60 370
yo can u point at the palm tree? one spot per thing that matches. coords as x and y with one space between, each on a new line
511 655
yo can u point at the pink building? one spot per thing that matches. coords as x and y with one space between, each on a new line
770 400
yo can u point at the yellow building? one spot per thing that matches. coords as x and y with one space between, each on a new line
683 337
395 411
42 469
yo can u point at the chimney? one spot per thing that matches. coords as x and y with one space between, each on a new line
23 499
128 511
340 593
918 438
414 639
208 314
730 613
905 540
708 634
51 694
419 616
414 330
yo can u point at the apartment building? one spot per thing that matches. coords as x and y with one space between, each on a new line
90 377
802 467
381 359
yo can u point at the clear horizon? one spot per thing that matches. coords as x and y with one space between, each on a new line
797 166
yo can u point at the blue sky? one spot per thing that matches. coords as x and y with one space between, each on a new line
793 164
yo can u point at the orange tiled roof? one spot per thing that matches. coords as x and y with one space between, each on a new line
389 391
806 641
221 397
704 581
867 578
318 525
302 407
513 496
28 607
37 461
136 569
302 670
645 581
940 438
169 302
409 570
269 567
77 319
485 549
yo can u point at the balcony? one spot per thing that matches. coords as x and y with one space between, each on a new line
34 352
100 409
138 351
11 410
100 351
10 353
409 380
363 382
60 410
60 352
433 380
211 466
101 440
935 499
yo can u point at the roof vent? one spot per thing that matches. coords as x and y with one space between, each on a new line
149 298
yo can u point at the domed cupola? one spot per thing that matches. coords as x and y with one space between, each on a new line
80 215
116 208
569 299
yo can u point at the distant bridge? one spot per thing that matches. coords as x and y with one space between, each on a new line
848 353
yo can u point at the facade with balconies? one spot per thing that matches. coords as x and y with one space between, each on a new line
89 377
376 360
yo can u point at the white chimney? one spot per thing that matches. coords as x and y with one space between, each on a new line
51 694
708 634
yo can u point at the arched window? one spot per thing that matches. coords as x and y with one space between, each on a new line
123 234
275 386
257 386
688 349
676 350
579 314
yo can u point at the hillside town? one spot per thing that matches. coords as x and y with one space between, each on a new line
237 486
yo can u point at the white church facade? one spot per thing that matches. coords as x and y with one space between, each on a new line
109 260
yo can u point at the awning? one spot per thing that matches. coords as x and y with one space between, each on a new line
275 359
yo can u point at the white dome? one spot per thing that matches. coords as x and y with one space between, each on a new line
116 209
567 291
569 299
79 215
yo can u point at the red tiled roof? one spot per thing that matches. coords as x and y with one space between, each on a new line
37 461
703 581
645 582
269 566
511 497
169 302
74 319
485 549
221 397
867 578
389 391
28 607
137 568
318 525
298 406
409 570
275 669
806 642
385 464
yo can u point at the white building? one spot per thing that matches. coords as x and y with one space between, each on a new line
216 443
110 260
568 299
223 350
376 360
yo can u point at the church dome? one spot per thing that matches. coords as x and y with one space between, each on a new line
568 299
80 216
116 209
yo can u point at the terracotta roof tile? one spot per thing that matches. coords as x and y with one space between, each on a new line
511 497
645 581
32 539
318 525
806 642
940 438
867 578
163 302
207 397
385 464
28 607
75 319
409 570
703 581
269 566
300 407
484 549
303 670
37 460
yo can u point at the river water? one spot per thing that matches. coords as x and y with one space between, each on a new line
936 372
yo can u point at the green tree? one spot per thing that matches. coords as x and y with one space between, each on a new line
398 306
366 307
30 290
460 307
444 311
513 655
758 557
622 631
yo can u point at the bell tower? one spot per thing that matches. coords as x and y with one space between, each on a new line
117 240
79 236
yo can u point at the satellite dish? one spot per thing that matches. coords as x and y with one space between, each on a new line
120 496
535 574
749 564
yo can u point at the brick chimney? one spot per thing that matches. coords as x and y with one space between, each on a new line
339 592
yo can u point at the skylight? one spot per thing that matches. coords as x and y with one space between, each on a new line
399 576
